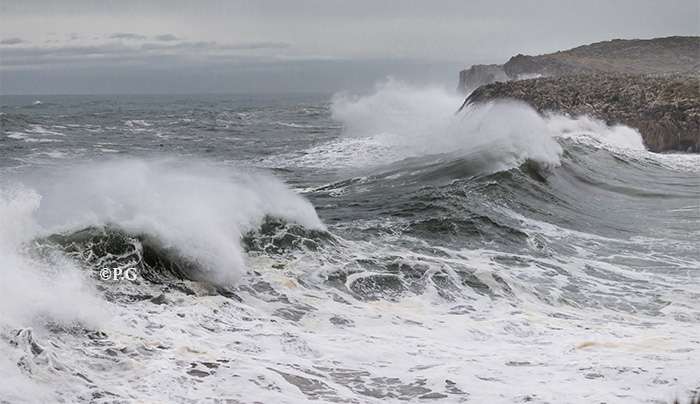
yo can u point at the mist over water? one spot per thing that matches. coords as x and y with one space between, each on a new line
412 122
376 247
199 209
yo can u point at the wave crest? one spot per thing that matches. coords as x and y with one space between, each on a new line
198 210
399 121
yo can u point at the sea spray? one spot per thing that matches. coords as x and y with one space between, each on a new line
49 287
415 121
200 210
440 280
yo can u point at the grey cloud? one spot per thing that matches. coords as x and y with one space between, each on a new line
166 37
443 32
39 52
259 45
11 41
106 53
127 35
213 45
198 46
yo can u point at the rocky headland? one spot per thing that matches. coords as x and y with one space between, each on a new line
650 85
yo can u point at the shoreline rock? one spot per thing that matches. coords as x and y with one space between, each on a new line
478 75
664 109
650 85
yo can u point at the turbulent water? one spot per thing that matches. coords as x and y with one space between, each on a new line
347 249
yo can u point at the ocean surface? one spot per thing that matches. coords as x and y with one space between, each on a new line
347 248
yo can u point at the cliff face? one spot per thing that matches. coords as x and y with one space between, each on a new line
665 109
633 56
478 75
650 85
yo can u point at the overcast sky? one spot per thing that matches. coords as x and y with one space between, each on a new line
164 46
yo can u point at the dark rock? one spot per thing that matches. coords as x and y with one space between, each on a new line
664 109
651 85
523 66
668 55
479 75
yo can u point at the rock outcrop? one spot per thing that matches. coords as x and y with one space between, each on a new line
478 75
669 55
665 109
650 85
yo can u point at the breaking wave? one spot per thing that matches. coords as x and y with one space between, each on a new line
398 121
433 255
185 218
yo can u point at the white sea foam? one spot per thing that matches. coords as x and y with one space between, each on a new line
33 130
595 132
136 123
628 335
30 287
197 208
398 121
415 121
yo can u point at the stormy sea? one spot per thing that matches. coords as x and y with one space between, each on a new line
364 247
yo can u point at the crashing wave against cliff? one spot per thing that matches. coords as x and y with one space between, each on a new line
651 85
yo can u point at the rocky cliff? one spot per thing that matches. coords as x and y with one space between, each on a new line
632 56
651 85
478 75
